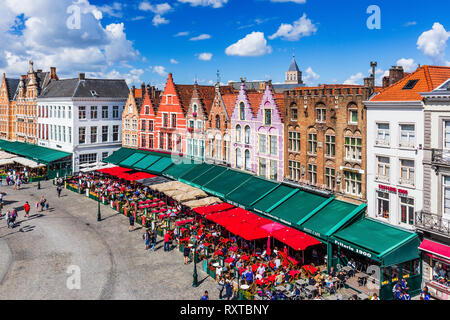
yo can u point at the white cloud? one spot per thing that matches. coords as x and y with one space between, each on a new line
182 34
310 76
114 10
173 61
205 3
252 45
205 56
201 37
160 9
408 64
410 23
133 77
433 43
295 1
160 70
157 20
355 79
303 27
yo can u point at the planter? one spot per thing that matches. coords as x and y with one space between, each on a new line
181 248
205 265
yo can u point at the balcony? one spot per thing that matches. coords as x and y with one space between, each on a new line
432 223
440 157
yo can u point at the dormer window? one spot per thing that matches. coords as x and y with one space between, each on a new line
94 93
242 111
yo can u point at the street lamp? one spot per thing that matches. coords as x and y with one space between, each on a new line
39 185
195 275
99 215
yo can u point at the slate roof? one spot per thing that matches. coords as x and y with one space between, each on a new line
207 94
11 87
294 66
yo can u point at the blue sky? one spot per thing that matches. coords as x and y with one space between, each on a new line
332 45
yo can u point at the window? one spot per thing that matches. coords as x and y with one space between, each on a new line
446 135
70 135
294 141
407 135
195 147
69 112
93 134
127 139
273 145
165 120
407 210
169 141
150 125
104 155
312 173
64 112
383 204
242 111
191 124
262 167
147 110
262 143
134 140
82 135
312 143
189 147
115 112
127 124
174 120
248 165
330 180
217 121
407 172
226 155
143 123
200 124
273 175
105 112
104 133
247 135
218 148
353 184
330 146
116 133
353 116
94 112
446 196
59 112
294 114
383 168
143 141
238 133
321 114
134 124
383 134
410 84
88 158
353 149
238 159
64 133
150 141
81 113
267 117
194 108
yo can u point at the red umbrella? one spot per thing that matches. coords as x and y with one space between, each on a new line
268 252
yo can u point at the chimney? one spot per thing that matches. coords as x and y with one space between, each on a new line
133 89
396 74
368 82
385 82
143 89
81 76
39 71
53 73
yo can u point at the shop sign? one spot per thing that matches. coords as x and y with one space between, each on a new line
314 233
355 249
392 190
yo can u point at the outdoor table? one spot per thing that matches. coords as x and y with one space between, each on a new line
301 282
245 287
362 277
346 269
311 289
215 264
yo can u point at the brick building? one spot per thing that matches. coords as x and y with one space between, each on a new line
130 118
147 118
8 91
325 130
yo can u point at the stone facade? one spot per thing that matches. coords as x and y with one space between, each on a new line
130 118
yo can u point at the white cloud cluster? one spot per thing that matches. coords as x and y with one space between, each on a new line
205 3
173 61
355 79
182 34
310 77
433 43
252 45
159 10
295 1
44 36
205 56
160 70
303 27
408 64
203 36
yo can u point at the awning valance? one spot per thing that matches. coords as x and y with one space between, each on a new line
214 208
33 152
439 250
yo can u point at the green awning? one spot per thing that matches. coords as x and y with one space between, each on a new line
206 177
196 172
177 170
330 218
378 241
119 155
33 152
226 182
250 191
160 165
296 207
132 159
264 204
146 162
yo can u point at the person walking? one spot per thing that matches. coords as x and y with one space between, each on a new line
42 203
26 207
205 296
147 239
166 240
131 223
186 252
46 204
58 190
37 206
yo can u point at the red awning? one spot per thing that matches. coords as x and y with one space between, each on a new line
213 208
297 240
114 170
123 173
436 249
182 222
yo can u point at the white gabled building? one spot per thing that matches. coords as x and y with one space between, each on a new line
82 116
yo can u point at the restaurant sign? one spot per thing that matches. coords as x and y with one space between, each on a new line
314 233
390 189
355 249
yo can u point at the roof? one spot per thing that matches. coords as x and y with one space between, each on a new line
33 152
294 66
207 94
279 99
428 78
11 87
104 88
229 99
184 92
254 98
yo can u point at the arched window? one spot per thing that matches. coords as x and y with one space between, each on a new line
195 108
147 110
294 112
217 121
242 111
238 133
238 158
247 135
247 160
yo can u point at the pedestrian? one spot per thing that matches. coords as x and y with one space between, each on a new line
1 197
228 289
26 207
154 238
221 286
59 191
205 296
37 206
42 203
186 252
147 239
46 204
131 223
7 217
425 295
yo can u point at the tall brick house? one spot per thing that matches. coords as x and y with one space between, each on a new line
196 118
147 118
218 126
130 118
8 91
325 145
